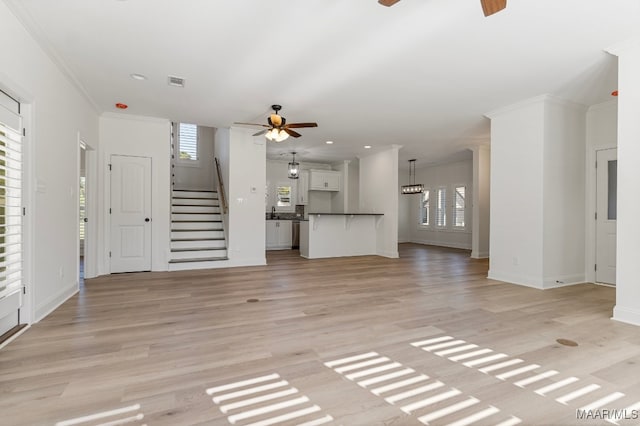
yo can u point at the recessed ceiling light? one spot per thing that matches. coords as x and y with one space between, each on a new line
329 142
140 77
367 146
120 105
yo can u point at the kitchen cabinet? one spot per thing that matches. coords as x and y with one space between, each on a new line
278 235
303 188
324 180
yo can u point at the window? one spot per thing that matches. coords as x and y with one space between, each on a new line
441 208
188 141
425 209
83 207
459 207
10 202
284 196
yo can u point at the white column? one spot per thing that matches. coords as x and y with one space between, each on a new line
481 202
628 233
537 193
379 191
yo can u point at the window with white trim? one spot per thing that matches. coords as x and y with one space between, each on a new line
188 141
10 200
441 208
425 208
459 203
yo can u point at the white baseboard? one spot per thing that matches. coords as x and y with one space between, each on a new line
462 246
524 280
626 315
563 281
479 254
54 302
389 254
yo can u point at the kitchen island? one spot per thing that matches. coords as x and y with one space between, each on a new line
339 234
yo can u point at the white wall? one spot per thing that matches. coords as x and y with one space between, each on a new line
404 210
602 133
340 199
247 178
433 177
564 193
537 193
221 152
481 209
56 113
517 147
142 137
354 186
379 194
197 175
628 231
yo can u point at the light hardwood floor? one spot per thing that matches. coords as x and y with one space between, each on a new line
155 342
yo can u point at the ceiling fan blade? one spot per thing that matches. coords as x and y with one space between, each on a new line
292 133
388 2
489 7
252 124
300 125
261 132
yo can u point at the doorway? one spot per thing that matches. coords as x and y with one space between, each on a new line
130 214
606 214
82 214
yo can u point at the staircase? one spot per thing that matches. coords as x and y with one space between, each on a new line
197 234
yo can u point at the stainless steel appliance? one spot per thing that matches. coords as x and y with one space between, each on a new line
295 234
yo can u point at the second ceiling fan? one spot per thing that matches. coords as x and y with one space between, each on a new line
489 7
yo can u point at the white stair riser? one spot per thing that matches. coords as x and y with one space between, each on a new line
196 201
197 225
222 263
197 234
198 244
198 253
195 194
196 217
196 209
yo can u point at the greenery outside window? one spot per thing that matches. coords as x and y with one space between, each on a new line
188 141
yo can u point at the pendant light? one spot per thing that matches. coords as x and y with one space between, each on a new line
413 187
293 168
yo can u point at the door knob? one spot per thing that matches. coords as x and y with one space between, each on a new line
146 219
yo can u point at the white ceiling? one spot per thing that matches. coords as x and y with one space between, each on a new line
420 74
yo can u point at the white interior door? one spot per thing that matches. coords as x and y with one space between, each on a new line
130 214
606 214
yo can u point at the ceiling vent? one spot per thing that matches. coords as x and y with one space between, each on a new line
176 81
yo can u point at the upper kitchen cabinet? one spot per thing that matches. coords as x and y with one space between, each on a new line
303 188
324 180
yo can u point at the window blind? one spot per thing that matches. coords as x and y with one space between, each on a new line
425 208
10 201
441 208
459 207
188 141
